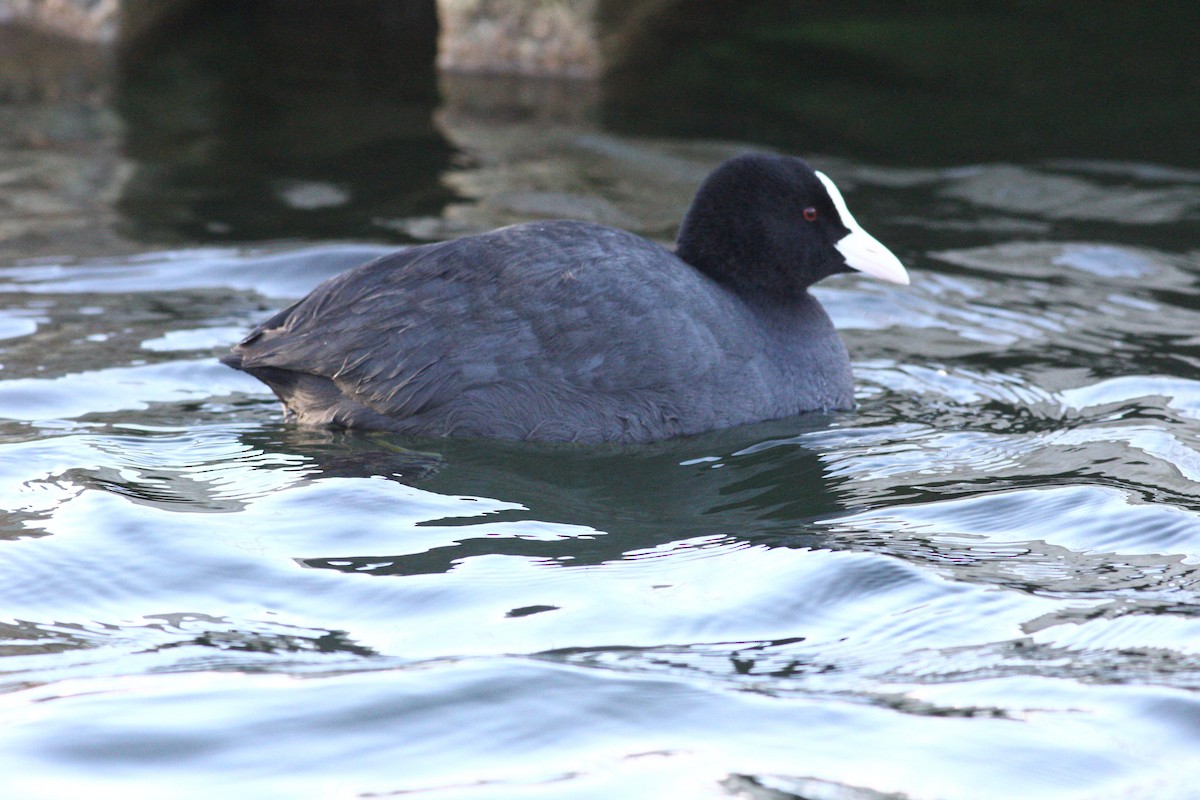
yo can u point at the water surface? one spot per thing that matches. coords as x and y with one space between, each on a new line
982 583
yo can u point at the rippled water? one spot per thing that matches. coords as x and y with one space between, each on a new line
981 584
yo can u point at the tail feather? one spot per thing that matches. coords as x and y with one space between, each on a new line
232 359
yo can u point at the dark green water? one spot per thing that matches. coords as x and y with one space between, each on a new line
983 583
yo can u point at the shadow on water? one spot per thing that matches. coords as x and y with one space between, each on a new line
251 121
926 82
756 484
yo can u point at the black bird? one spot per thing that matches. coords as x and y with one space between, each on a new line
568 331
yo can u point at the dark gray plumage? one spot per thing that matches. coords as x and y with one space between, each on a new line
568 331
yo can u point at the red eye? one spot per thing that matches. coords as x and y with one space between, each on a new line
810 213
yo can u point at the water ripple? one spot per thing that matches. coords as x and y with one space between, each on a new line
1066 541
996 553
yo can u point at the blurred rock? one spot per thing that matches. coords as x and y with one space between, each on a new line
558 38
88 20
549 37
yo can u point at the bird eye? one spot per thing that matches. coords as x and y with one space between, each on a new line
810 213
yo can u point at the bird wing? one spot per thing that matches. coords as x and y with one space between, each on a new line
522 312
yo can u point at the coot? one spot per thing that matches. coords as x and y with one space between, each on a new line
568 331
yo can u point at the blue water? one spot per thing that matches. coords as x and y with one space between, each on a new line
983 583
